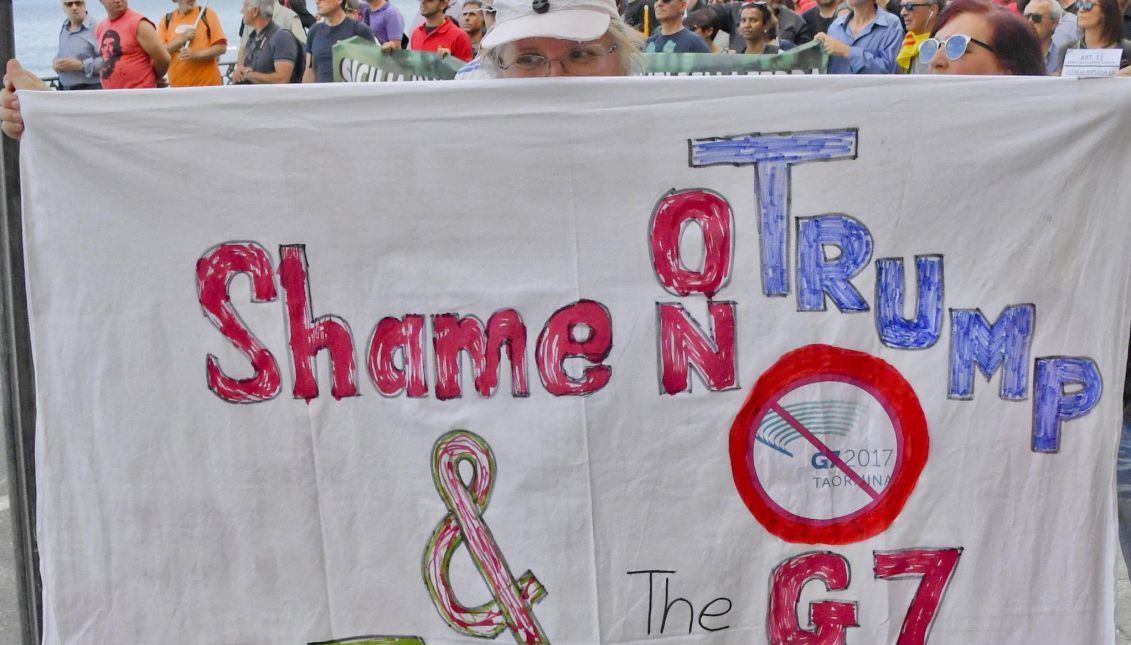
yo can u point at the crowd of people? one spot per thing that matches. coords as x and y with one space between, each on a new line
282 42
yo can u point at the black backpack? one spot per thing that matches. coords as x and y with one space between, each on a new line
299 7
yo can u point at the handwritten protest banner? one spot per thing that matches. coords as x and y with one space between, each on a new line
713 360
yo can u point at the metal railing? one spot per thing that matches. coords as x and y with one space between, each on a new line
227 66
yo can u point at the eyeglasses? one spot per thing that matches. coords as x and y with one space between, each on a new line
1035 18
1086 5
910 6
578 59
74 3
954 47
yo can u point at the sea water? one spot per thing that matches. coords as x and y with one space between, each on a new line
38 23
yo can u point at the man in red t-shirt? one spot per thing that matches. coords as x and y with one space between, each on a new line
132 53
440 34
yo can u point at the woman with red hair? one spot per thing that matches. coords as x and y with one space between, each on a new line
1101 27
977 37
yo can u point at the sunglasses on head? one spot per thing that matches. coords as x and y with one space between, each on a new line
74 3
954 47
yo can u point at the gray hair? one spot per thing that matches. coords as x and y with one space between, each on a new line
266 7
1055 10
628 41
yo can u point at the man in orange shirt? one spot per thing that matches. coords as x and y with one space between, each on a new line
195 46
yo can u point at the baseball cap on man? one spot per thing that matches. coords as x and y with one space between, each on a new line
578 20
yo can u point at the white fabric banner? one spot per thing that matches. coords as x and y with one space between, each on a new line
718 360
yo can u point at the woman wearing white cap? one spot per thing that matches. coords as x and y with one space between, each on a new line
534 38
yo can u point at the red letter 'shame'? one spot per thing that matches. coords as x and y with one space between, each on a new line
556 343
452 334
406 335
309 335
214 270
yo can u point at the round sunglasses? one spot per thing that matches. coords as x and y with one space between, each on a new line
954 47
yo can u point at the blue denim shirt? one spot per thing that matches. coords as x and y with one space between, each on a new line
80 44
873 49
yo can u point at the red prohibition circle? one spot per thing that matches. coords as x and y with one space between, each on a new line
811 364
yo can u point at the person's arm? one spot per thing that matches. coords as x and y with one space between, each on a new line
217 46
282 74
174 42
92 65
461 48
214 51
308 73
832 45
67 64
880 60
147 38
365 32
394 30
17 78
1126 71
804 33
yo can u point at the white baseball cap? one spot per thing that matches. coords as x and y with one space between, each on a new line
578 20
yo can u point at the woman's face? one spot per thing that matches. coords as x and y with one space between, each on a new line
1091 17
977 60
559 57
750 24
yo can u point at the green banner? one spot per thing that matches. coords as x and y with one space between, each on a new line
360 61
357 60
806 59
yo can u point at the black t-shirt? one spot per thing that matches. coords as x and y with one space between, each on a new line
818 24
263 49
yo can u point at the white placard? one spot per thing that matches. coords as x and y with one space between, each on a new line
1091 63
